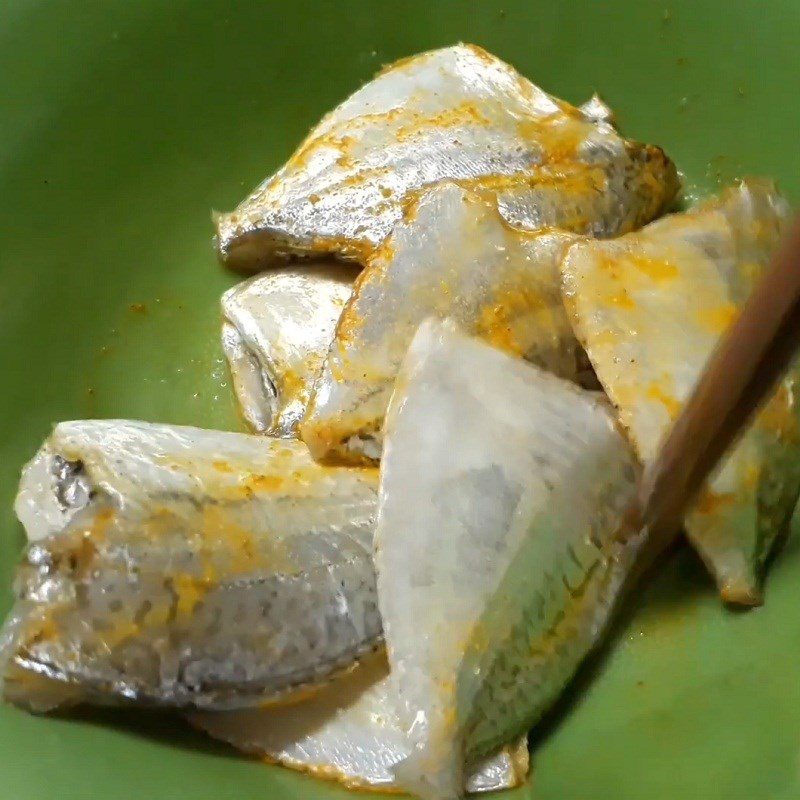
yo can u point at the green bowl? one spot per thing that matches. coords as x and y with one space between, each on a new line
124 123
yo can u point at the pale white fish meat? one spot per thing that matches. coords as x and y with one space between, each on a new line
276 331
499 550
181 567
650 307
461 114
453 256
348 732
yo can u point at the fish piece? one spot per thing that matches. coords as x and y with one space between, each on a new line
595 109
453 256
180 567
498 546
458 113
650 307
276 331
348 732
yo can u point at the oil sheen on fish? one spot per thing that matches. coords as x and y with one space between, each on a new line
348 732
498 548
458 113
451 256
276 331
650 307
188 568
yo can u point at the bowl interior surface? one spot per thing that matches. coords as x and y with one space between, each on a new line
123 126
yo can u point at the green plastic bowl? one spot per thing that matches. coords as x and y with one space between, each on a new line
124 123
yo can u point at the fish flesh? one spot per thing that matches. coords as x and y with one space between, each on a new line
499 547
452 256
458 113
650 308
276 331
348 732
181 567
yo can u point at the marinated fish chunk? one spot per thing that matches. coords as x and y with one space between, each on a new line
650 307
189 568
499 551
276 331
453 256
461 114
348 732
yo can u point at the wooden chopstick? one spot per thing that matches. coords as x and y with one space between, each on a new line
740 374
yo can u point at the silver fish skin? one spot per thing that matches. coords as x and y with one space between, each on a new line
276 331
499 547
595 109
459 114
173 566
349 732
452 256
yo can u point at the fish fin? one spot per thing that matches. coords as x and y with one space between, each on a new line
430 782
